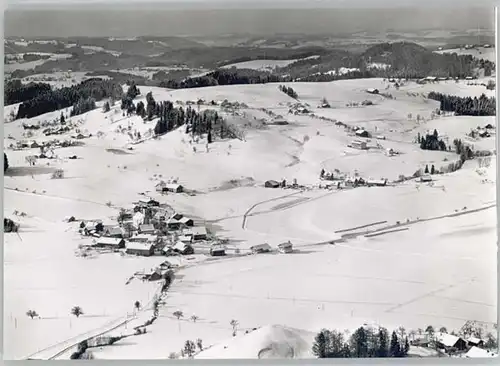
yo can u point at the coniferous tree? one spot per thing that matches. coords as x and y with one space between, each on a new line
106 107
426 169
320 344
383 343
359 343
5 162
394 350
433 170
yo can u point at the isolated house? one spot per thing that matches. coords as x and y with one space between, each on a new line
361 145
286 247
376 182
260 248
489 126
426 178
362 133
146 229
183 248
450 342
197 232
271 184
175 188
217 250
110 243
372 91
138 248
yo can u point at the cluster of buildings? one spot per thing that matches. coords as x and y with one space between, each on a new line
148 229
453 345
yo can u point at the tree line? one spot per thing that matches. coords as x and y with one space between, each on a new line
467 106
363 343
81 97
170 117
16 92
288 91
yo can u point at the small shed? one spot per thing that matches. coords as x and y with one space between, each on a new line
197 233
140 248
448 342
285 247
372 91
217 250
260 248
183 248
426 178
146 229
112 243
187 221
271 184
175 188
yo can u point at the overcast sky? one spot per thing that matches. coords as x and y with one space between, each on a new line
28 18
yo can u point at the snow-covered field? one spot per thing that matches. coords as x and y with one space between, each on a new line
10 67
479 53
264 65
441 270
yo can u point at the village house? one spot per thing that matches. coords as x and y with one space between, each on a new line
217 250
173 224
109 243
361 145
376 182
197 232
114 232
474 341
476 352
185 239
426 178
146 229
149 202
286 247
450 342
186 221
183 248
140 248
260 248
143 238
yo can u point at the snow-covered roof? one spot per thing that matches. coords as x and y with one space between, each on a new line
285 244
184 220
115 230
139 246
109 241
146 227
185 238
218 248
197 230
180 246
376 181
446 339
476 352
143 237
474 340
261 246
173 185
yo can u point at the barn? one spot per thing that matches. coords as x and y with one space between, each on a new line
183 248
186 221
271 184
450 342
174 188
114 232
197 233
362 133
140 248
361 145
110 243
372 91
